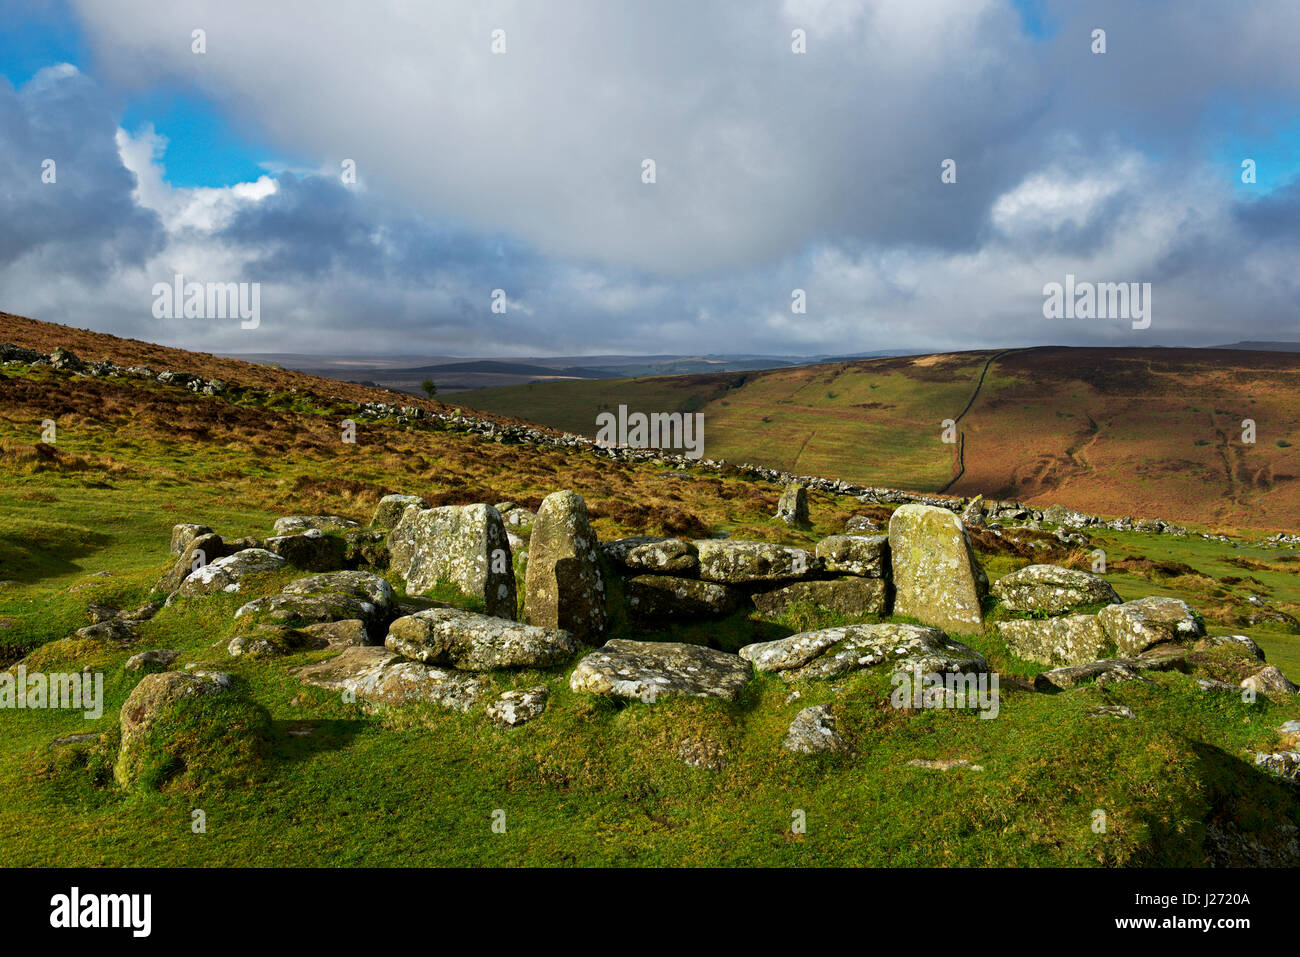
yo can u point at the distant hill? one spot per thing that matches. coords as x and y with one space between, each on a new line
1264 346
1142 431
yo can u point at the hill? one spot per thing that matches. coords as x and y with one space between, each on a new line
1140 431
291 771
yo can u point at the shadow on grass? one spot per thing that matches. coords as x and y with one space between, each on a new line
1248 818
298 740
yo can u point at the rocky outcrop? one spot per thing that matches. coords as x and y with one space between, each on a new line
832 652
1052 590
1137 625
814 731
1069 640
513 708
936 577
382 678
472 642
648 671
563 586
312 550
332 597
463 544
227 574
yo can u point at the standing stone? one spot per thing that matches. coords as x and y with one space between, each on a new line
936 577
463 544
391 508
563 586
185 533
792 508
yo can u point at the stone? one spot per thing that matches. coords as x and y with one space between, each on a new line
647 553
463 544
473 642
311 550
865 555
185 533
1069 640
1109 669
663 597
154 658
1210 684
365 546
228 574
739 562
295 524
972 516
340 634
1052 590
199 551
937 580
513 708
391 508
116 631
832 652
331 597
792 507
813 731
385 679
861 525
1243 642
151 700
1135 626
1285 764
649 671
563 586
519 518
274 641
944 764
1289 733
848 596
1269 680
1111 711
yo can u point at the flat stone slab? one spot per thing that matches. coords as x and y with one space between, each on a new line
650 670
665 596
832 652
738 562
848 596
378 675
474 642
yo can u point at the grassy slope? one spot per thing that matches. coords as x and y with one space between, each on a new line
1146 431
591 782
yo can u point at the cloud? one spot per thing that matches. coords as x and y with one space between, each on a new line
775 171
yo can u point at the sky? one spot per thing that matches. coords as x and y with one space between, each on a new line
503 146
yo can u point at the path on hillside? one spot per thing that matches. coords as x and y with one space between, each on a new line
961 436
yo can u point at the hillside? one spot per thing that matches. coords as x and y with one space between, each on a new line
1111 431
289 771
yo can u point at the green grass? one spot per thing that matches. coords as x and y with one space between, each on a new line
592 782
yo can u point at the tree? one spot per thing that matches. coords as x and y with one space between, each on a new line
429 388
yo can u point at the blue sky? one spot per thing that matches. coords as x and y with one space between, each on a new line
776 172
